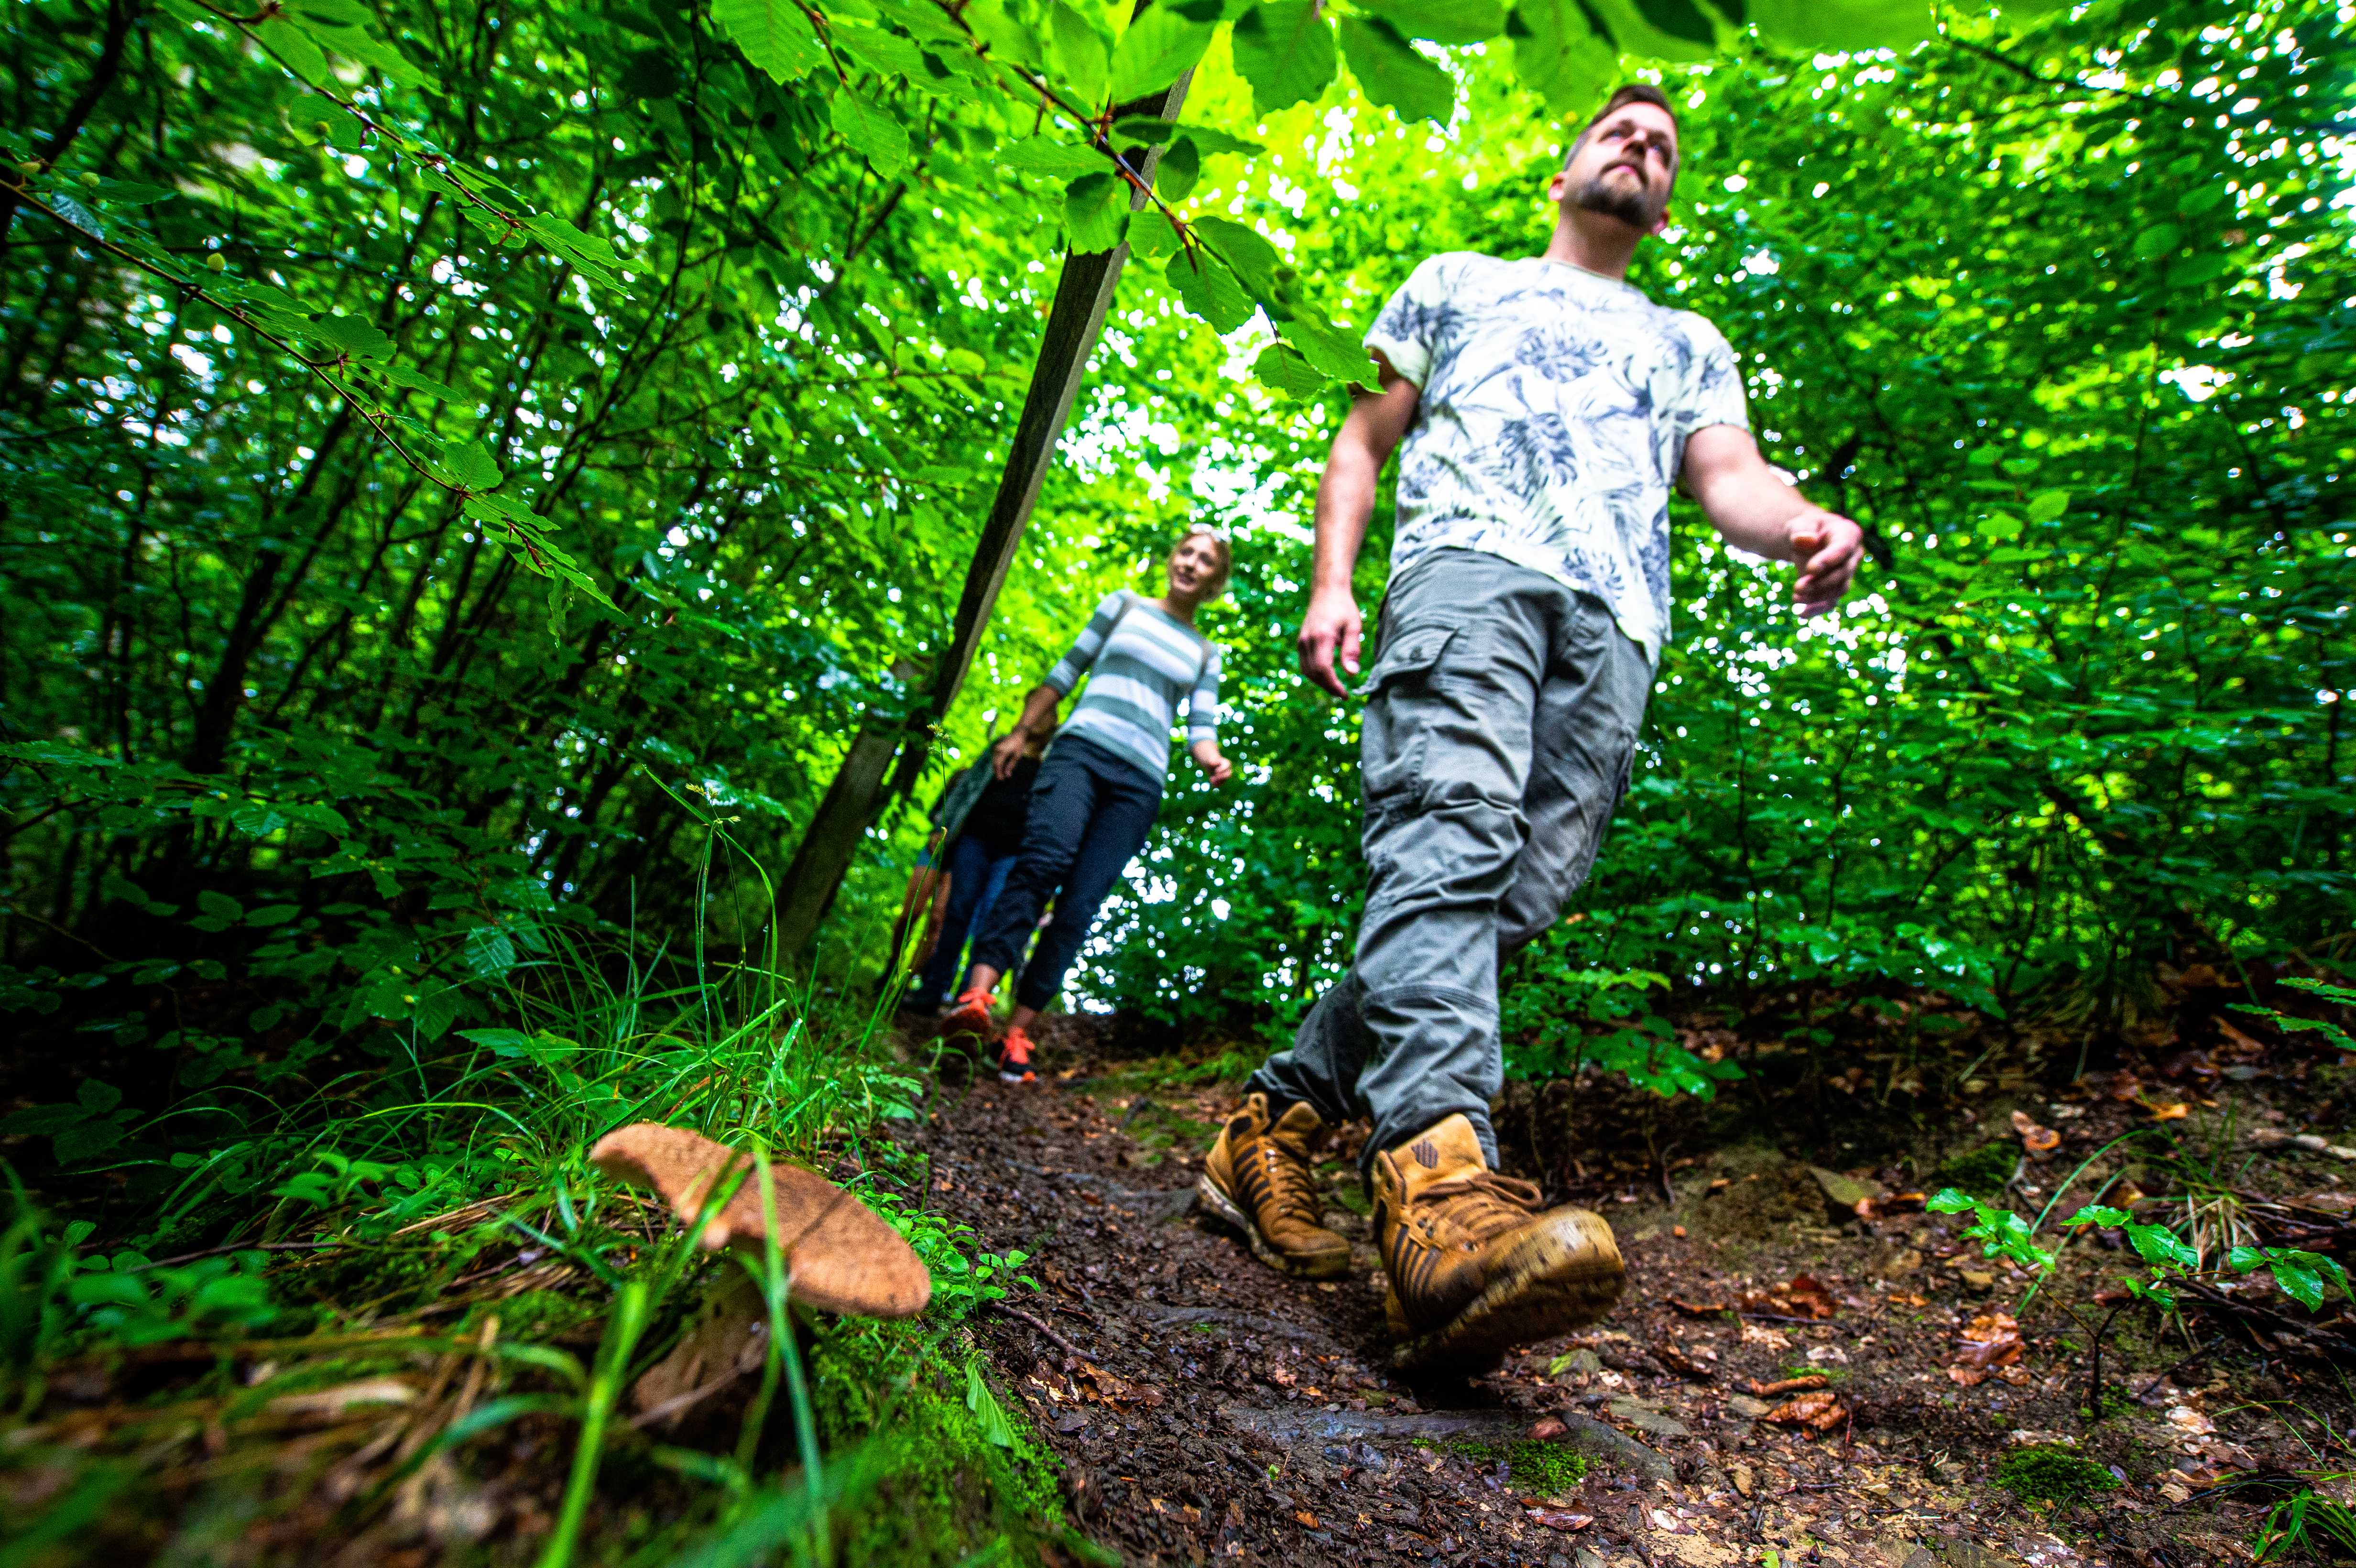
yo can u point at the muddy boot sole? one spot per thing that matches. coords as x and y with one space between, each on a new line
1210 1200
1561 1274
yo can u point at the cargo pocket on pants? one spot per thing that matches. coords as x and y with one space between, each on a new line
1394 736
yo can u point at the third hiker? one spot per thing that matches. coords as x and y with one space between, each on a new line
1542 407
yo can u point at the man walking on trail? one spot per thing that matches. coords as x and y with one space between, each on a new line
1546 408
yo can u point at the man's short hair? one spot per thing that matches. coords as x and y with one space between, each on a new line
1633 92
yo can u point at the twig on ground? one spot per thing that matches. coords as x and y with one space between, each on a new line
1053 1337
235 1247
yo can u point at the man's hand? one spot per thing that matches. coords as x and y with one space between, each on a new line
1827 547
1206 754
1006 753
1752 505
1332 631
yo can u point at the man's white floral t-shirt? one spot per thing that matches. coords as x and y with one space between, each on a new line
1556 406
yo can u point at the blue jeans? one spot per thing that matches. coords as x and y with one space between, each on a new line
975 875
1090 812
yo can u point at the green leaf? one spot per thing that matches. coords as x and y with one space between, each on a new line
2299 1281
2195 270
1152 236
1080 53
1095 213
774 34
1209 289
1392 74
2047 505
349 334
220 907
2157 240
364 46
873 133
1562 53
2094 1215
97 1098
2158 1245
1329 349
885 54
1045 156
1158 49
1283 370
1849 24
1243 249
295 50
402 376
472 467
1442 21
1999 526
1177 170
1156 133
988 1415
1285 51
1680 19
2201 198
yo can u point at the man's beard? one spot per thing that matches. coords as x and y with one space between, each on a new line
1631 206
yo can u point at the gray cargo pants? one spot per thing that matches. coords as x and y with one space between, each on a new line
1501 723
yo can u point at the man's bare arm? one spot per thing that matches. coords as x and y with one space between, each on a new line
1039 705
1377 423
1747 503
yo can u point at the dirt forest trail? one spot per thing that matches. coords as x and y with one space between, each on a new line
1205 1408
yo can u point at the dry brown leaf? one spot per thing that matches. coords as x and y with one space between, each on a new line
1560 1519
2170 1111
1765 1339
1308 1521
1677 1362
1789 1385
2034 1139
1988 1342
1548 1428
1910 1300
1821 1412
1701 1308
1803 1297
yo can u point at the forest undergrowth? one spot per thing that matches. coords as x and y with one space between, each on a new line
416 1333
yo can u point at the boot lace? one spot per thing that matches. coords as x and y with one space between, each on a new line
1289 1180
1480 1203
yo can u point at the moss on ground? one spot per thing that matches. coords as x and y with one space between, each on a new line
940 1490
2042 1477
1543 1467
1983 1171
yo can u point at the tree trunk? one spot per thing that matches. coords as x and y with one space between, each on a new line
1083 293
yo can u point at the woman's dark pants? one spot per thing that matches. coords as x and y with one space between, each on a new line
975 875
1090 812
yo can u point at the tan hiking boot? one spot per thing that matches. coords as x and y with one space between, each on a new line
1258 1177
1475 1267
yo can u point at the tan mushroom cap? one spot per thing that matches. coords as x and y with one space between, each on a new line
844 1257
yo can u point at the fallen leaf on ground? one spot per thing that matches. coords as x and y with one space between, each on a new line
1677 1362
2172 1111
1821 1412
1547 1430
1898 1300
1765 1339
1308 1521
1789 1385
2338 1202
1701 1308
2034 1139
334 1402
1282 1377
2190 1422
1561 1519
1803 1297
1896 1203
1988 1341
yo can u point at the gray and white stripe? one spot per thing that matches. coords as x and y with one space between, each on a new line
1139 665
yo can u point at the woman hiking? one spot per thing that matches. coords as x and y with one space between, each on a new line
980 816
1100 786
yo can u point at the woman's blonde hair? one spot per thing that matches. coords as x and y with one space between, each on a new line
1220 547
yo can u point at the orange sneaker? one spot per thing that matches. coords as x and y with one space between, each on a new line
1014 1058
970 1021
